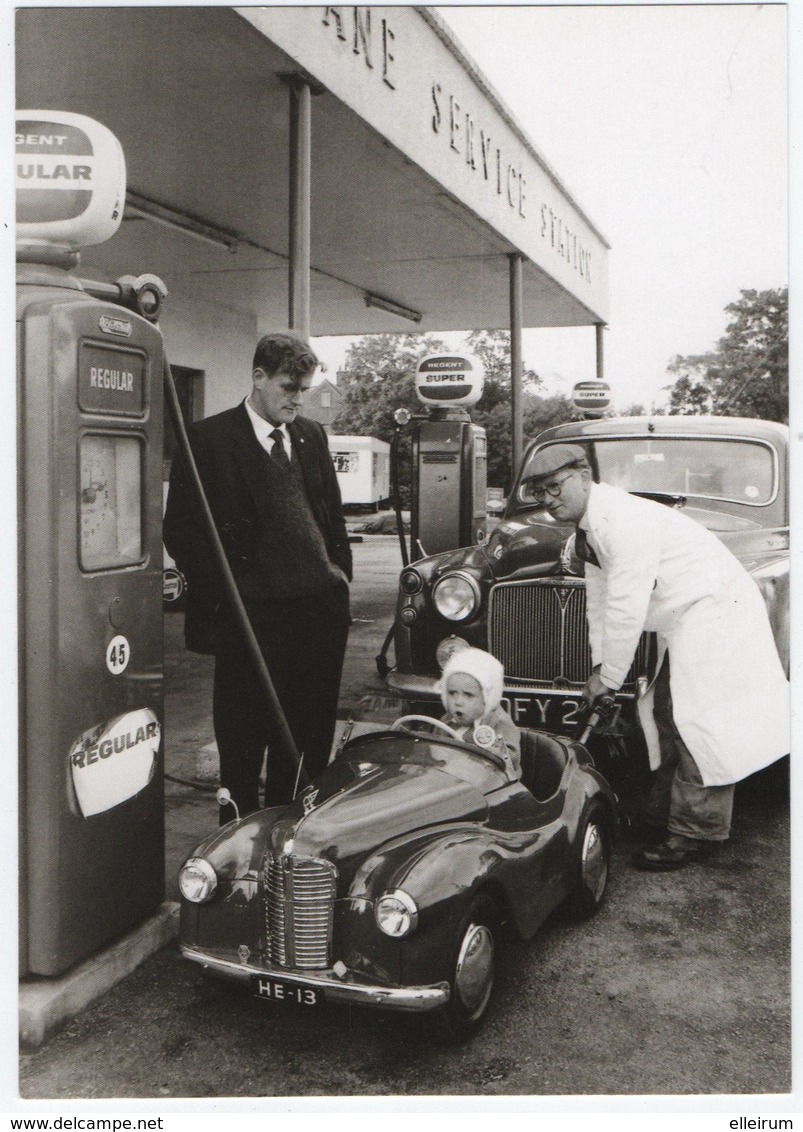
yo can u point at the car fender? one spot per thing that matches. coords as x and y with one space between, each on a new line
773 581
443 873
236 851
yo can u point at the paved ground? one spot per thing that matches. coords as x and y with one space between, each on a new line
680 985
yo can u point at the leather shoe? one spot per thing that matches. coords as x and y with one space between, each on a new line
674 853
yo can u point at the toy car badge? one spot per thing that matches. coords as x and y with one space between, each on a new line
308 801
484 736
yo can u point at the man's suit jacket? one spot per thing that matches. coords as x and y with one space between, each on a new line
231 466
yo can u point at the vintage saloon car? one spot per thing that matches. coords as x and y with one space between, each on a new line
520 594
386 881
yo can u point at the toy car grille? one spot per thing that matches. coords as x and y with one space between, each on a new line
299 908
538 630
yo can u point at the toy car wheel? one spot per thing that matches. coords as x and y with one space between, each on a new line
473 971
593 867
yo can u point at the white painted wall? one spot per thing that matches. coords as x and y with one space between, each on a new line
215 339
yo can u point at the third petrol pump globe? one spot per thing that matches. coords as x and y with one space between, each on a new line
591 397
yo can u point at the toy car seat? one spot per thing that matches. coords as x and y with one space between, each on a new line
543 760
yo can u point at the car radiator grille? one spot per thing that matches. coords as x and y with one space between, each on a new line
538 630
299 908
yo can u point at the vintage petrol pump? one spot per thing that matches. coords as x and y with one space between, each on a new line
449 457
90 493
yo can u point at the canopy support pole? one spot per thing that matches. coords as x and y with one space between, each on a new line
599 327
299 219
516 365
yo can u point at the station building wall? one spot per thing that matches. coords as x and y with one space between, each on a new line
215 339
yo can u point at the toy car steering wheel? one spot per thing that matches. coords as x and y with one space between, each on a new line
450 731
491 756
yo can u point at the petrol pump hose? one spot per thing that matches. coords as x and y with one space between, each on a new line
288 747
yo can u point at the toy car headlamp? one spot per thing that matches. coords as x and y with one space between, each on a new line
456 597
197 880
396 914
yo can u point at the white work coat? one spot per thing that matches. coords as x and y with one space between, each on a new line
661 571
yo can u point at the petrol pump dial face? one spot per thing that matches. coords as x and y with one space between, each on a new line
97 512
110 528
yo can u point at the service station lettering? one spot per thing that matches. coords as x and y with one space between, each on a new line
370 38
354 26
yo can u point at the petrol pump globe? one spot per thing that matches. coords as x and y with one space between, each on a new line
592 398
447 380
70 180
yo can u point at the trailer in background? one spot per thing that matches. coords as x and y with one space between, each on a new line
362 464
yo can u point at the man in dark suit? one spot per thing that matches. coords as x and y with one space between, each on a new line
273 492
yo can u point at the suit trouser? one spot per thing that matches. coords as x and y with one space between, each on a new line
303 643
678 797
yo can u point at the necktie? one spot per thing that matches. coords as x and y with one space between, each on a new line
278 451
583 550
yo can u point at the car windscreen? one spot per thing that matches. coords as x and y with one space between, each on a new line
728 469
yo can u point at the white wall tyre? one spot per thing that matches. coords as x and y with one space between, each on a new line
594 864
473 973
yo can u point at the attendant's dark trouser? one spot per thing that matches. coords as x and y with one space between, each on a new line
678 796
303 642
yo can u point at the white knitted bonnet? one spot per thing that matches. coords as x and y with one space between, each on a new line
485 669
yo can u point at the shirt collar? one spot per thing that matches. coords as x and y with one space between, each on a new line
585 519
263 429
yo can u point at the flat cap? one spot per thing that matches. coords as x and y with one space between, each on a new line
553 458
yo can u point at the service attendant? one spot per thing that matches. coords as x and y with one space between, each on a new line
719 709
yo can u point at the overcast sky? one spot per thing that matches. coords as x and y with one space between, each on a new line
668 125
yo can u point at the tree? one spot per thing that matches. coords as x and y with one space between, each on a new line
494 410
376 380
748 373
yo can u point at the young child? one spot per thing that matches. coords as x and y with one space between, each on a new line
471 688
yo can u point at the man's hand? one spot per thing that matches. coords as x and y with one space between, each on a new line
594 687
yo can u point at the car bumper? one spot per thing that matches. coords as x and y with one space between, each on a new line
347 989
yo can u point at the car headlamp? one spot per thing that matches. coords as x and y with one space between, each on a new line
197 880
410 582
456 597
396 914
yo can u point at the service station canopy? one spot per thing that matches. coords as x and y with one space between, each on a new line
422 183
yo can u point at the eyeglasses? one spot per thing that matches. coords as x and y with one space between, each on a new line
554 489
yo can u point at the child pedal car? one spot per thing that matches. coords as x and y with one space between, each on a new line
388 879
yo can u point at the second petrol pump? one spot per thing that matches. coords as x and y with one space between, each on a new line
449 456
